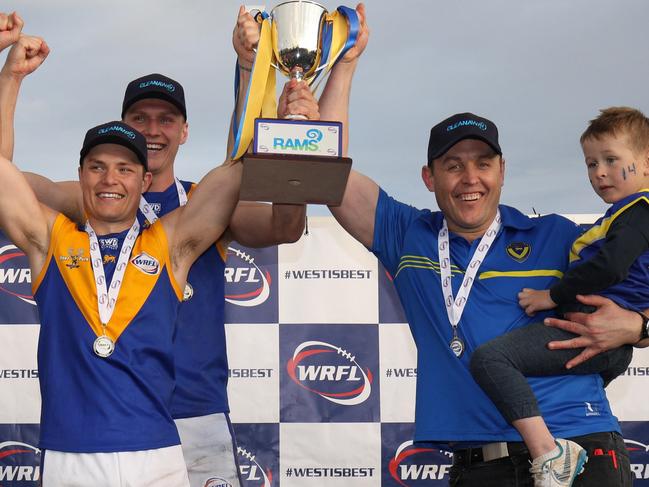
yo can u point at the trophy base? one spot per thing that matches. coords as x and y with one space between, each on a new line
294 179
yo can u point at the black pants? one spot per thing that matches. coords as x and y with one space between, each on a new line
611 468
501 365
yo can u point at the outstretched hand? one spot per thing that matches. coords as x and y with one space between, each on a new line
607 328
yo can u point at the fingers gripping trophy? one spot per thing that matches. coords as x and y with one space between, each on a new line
294 160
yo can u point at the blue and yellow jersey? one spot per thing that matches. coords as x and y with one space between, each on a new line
119 403
199 346
450 406
632 292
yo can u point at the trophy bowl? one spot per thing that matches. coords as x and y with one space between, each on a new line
296 37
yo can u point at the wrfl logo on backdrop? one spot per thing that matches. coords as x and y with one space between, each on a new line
356 383
306 144
414 466
15 276
252 471
247 284
19 462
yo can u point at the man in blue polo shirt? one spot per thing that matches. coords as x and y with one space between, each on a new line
458 272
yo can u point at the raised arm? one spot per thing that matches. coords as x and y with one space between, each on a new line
244 40
259 224
26 222
11 26
25 56
192 228
357 210
62 196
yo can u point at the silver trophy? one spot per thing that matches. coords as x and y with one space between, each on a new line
297 38
281 169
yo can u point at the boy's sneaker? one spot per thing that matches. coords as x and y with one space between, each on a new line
559 467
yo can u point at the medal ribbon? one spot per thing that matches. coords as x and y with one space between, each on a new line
107 297
148 212
455 306
339 35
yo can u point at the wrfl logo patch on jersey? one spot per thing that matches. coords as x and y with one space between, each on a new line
19 462
415 465
330 372
251 471
247 284
15 275
146 263
519 251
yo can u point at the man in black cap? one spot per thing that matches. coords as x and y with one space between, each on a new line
458 272
108 293
155 105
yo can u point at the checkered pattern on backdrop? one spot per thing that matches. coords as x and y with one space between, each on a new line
322 371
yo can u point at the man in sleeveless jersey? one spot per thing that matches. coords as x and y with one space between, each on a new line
155 105
108 294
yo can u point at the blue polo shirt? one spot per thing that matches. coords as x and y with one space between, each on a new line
527 252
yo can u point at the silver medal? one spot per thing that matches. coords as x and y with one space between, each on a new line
103 346
457 346
188 293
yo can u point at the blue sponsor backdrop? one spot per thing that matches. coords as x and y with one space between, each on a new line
390 310
251 285
405 464
258 453
19 456
16 302
327 372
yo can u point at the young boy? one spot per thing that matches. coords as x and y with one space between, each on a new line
611 259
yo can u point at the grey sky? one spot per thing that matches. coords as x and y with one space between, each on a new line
539 69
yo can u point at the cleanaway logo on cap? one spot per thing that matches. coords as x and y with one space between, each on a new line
161 84
116 128
465 123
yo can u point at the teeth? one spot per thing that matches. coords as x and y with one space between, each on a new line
469 196
111 196
151 146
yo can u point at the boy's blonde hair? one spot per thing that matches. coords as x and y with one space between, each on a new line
620 120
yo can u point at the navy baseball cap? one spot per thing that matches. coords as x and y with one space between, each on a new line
155 86
116 133
461 126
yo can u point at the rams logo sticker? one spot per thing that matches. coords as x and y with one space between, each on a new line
519 251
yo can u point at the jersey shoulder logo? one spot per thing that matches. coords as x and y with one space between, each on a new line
146 263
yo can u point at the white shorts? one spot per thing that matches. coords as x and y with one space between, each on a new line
145 468
209 450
